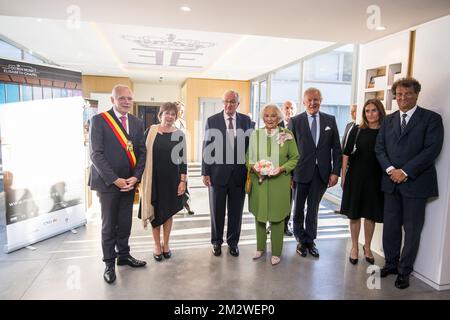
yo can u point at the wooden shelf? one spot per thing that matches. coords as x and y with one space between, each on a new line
378 84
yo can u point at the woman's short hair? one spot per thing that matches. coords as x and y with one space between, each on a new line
408 82
379 105
168 106
275 107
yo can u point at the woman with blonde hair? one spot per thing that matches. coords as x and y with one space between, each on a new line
269 197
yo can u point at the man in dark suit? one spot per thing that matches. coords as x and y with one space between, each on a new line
407 146
117 149
289 108
349 126
319 166
224 171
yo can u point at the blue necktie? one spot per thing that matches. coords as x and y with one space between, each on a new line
314 129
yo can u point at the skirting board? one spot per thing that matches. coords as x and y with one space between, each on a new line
432 284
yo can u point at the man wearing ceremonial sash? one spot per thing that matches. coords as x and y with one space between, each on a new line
117 150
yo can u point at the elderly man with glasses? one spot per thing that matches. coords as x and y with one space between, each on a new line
224 170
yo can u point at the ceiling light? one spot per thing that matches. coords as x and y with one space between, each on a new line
39 20
380 28
185 8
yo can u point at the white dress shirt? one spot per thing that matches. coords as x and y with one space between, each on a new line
225 116
408 113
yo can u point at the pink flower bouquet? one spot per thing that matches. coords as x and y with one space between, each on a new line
264 168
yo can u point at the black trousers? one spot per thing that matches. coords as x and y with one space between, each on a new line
288 217
305 228
117 212
407 212
231 197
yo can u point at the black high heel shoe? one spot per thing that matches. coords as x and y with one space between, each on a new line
368 259
158 257
167 255
353 261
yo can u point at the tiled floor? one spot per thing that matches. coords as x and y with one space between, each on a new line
69 266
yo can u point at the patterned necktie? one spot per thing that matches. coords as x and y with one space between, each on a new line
404 122
231 130
124 122
314 129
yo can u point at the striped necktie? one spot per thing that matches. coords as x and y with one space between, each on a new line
403 127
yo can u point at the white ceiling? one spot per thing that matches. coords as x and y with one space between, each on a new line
147 53
249 37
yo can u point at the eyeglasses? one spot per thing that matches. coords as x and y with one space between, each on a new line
125 98
232 102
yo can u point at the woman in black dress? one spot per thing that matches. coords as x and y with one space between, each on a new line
164 179
361 179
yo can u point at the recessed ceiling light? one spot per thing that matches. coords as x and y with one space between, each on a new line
39 20
185 8
380 28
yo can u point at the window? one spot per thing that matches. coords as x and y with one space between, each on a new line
56 93
2 93
30 58
26 93
10 51
37 93
331 73
285 85
12 92
47 92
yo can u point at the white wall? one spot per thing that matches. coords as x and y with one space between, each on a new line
145 92
382 52
431 68
104 101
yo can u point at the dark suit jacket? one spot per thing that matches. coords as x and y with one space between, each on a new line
347 129
414 151
328 151
109 159
219 171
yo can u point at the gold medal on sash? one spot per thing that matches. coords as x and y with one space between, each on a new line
129 146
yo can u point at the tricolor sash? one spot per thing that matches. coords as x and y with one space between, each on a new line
120 135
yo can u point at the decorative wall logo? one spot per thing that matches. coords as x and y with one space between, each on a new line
168 43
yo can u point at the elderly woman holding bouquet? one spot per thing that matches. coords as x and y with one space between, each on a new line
271 157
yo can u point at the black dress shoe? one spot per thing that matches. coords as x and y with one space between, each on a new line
110 274
167 254
234 251
130 261
353 261
385 271
190 212
288 233
370 260
217 250
402 281
302 250
313 250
